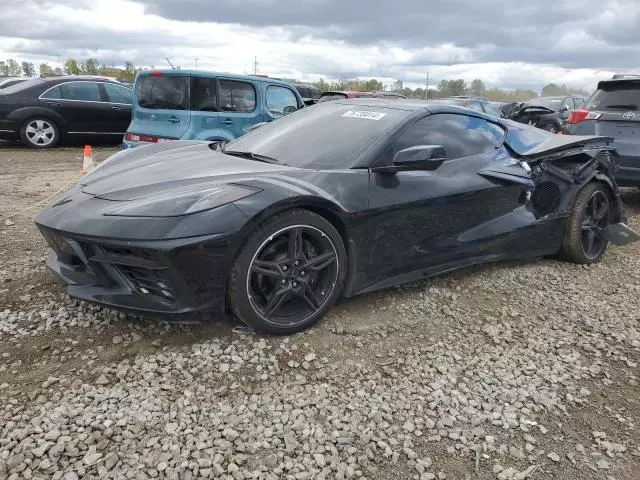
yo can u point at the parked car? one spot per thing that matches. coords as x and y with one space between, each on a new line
274 228
41 112
547 113
199 105
614 110
8 81
476 104
343 95
310 94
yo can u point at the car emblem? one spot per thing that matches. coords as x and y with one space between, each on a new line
629 115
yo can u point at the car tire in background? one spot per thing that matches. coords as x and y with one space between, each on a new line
550 127
40 132
288 273
584 241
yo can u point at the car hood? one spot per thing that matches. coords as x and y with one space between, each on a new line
180 165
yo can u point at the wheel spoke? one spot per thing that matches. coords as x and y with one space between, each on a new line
275 301
320 262
30 129
39 124
601 211
591 238
295 243
307 294
263 267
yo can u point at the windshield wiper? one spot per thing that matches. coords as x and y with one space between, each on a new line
627 106
253 156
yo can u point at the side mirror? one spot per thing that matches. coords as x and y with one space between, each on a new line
419 157
565 108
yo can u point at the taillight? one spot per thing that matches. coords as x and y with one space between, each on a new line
155 73
580 115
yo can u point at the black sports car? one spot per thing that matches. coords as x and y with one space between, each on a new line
379 193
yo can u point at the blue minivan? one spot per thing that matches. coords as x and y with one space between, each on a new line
198 105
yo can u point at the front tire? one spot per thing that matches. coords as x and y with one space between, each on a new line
288 274
584 241
40 132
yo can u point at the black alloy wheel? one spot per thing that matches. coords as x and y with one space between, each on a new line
289 274
585 241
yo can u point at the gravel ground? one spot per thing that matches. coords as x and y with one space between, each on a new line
509 371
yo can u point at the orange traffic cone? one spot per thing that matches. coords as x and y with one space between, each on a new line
87 163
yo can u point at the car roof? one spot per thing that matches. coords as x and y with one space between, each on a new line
211 73
618 81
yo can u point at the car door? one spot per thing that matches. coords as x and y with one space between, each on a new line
280 101
80 104
435 219
566 107
238 106
118 117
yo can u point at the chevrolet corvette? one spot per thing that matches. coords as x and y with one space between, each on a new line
337 199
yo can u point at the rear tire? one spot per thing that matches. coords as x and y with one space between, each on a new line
39 132
584 241
288 274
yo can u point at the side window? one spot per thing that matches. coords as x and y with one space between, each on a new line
569 103
237 96
281 101
473 105
85 91
460 135
118 94
204 97
579 102
54 94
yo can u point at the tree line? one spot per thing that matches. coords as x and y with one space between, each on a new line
446 88
90 66
451 88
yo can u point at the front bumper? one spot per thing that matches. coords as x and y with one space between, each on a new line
182 278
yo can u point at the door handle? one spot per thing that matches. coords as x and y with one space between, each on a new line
116 108
53 104
173 120
227 122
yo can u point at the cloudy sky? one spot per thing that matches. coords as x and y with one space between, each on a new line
506 43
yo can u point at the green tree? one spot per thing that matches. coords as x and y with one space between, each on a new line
46 70
71 67
477 88
28 69
10 68
91 66
451 88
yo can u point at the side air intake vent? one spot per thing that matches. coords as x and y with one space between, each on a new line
546 198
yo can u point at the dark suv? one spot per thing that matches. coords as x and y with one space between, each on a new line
614 111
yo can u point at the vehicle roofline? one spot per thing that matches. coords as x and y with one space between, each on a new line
213 73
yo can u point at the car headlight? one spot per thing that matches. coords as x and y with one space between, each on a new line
174 204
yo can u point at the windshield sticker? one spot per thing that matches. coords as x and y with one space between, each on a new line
363 114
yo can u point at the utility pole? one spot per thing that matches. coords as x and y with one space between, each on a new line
196 64
426 93
255 65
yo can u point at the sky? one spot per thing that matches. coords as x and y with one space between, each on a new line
506 43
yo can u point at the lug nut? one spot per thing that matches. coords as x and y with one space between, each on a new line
283 281
302 273
285 268
297 263
295 284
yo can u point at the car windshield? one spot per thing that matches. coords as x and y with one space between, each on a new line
549 102
616 96
333 135
18 87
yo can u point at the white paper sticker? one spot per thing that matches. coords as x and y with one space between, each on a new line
363 114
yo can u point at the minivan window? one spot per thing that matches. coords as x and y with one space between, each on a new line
118 94
237 96
83 91
281 100
163 92
203 94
